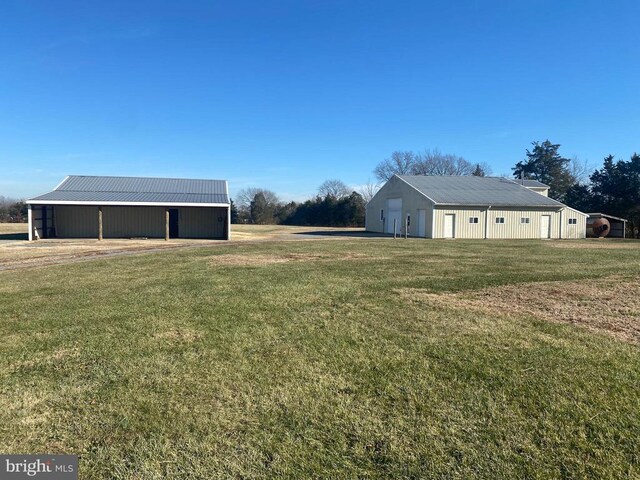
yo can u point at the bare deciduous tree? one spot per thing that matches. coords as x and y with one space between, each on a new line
368 190
333 188
580 170
430 162
247 195
400 163
433 162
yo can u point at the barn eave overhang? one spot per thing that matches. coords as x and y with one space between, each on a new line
125 204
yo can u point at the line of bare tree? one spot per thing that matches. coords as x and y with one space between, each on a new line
428 162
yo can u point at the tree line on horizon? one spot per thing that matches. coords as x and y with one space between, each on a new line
12 210
335 205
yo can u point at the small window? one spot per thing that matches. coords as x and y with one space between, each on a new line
473 219
381 215
499 219
524 219
573 221
408 220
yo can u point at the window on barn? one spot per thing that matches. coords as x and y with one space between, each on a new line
524 219
499 219
473 219
381 214
573 221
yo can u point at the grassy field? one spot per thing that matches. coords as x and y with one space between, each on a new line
368 358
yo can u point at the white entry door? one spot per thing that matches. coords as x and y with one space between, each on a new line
422 223
545 226
394 212
449 225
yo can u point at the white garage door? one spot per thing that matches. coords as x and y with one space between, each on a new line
394 212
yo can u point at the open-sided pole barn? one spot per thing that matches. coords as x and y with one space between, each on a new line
132 207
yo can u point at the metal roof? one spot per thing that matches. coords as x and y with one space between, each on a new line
531 183
598 214
82 189
477 191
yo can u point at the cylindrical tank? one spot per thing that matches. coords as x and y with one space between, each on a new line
600 227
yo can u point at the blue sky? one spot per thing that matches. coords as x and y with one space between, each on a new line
286 94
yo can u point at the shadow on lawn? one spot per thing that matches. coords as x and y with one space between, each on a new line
14 236
345 233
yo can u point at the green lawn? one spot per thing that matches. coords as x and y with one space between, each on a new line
303 359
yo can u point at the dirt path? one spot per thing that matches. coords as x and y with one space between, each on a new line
18 254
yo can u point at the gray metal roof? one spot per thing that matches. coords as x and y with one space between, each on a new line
77 188
531 183
598 214
477 191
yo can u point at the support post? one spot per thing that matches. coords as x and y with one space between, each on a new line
166 224
406 227
99 223
486 222
395 221
30 216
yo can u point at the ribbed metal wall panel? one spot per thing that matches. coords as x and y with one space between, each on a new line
202 222
462 227
127 222
412 201
512 227
73 221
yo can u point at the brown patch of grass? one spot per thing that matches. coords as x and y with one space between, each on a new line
178 335
14 228
609 305
56 357
600 243
249 259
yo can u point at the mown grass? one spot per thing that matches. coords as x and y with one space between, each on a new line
178 365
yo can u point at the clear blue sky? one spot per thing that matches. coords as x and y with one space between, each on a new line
285 94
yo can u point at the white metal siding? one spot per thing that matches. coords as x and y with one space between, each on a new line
462 227
511 228
579 230
412 201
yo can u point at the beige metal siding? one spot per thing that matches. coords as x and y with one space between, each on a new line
511 228
75 221
579 230
127 222
202 222
462 228
412 201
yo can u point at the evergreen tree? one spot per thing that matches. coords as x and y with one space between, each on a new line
546 165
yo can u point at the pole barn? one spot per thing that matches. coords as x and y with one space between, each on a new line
132 207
